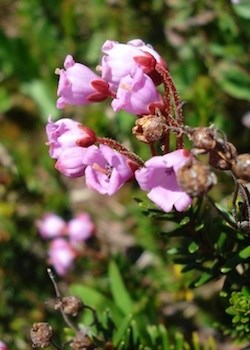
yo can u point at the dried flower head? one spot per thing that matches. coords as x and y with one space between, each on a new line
241 167
195 178
223 156
150 128
82 342
203 138
41 334
70 305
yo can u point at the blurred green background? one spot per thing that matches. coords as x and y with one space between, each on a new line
206 45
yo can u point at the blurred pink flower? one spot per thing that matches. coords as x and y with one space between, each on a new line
61 255
50 226
80 228
79 85
3 346
158 178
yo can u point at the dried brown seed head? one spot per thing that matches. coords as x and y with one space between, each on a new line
82 342
223 156
241 167
41 334
196 178
203 138
150 128
70 305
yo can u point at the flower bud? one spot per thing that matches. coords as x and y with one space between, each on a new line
149 128
241 167
195 178
203 138
70 305
41 334
82 342
222 157
88 136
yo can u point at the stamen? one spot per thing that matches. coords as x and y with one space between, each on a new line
57 71
97 167
125 86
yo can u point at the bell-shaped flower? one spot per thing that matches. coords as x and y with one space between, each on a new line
80 228
51 225
70 162
120 59
61 255
79 85
106 169
66 133
158 178
136 94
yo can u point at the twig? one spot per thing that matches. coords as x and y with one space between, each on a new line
58 294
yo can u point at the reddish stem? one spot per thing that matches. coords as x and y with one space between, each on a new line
121 149
152 149
166 142
170 87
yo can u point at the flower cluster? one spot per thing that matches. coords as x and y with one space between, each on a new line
130 75
66 238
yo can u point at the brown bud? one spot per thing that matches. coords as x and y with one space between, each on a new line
41 334
203 138
71 305
195 178
241 167
223 156
82 342
150 128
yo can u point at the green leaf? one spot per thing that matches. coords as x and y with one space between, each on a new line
193 247
118 336
153 332
235 260
232 79
179 341
185 221
242 9
39 91
205 277
245 253
118 289
164 337
97 300
89 295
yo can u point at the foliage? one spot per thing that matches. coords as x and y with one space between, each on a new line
239 310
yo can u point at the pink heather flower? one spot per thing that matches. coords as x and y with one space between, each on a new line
3 346
80 228
79 85
50 226
135 93
159 178
107 170
120 59
70 162
66 133
61 255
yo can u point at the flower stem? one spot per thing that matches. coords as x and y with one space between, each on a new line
58 294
